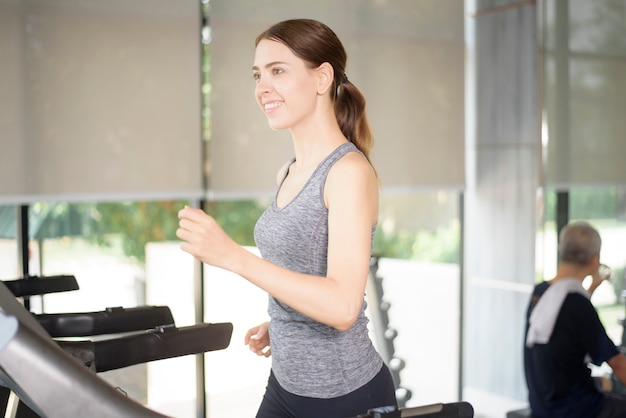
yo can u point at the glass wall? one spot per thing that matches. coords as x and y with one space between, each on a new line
584 51
105 247
411 47
10 267
101 141
113 226
605 208
417 243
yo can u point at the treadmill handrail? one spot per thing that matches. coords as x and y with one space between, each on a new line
157 344
55 384
116 320
40 285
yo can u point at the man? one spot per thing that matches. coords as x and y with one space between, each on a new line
564 334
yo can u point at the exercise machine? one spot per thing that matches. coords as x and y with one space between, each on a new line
51 378
439 410
385 334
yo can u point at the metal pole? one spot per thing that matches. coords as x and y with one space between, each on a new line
201 399
461 291
22 242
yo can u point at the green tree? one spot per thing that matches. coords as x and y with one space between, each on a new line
134 224
139 223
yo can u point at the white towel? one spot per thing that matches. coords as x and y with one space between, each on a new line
543 316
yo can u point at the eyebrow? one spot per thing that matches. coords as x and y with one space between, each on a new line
271 64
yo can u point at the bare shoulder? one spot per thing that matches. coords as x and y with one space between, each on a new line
353 167
352 179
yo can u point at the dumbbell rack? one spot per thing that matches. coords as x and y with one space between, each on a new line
385 334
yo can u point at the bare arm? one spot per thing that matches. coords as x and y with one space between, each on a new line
351 195
618 364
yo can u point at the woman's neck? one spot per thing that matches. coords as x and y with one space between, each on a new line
311 149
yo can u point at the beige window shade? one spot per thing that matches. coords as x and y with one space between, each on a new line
585 93
406 56
12 125
103 100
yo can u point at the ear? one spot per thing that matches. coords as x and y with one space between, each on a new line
326 78
596 258
595 262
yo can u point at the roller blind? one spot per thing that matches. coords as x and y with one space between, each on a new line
585 93
406 56
100 100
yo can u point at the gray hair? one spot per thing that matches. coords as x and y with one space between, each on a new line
578 243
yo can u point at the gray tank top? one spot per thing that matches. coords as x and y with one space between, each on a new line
309 358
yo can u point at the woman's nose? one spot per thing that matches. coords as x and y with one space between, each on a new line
262 86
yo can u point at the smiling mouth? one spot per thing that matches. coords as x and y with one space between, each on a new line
272 105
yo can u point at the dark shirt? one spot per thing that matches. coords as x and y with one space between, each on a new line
558 378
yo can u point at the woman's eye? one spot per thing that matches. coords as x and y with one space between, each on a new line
256 76
277 71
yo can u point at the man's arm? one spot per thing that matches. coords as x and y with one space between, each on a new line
618 364
596 280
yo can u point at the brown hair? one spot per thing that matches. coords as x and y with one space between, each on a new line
315 43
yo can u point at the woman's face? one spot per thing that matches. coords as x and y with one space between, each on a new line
286 90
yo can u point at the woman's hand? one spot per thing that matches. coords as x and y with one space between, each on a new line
205 239
258 340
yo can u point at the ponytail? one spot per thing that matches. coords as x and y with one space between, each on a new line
350 114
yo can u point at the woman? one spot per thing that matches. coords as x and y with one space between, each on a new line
315 238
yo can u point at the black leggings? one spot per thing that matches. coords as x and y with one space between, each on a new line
278 403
